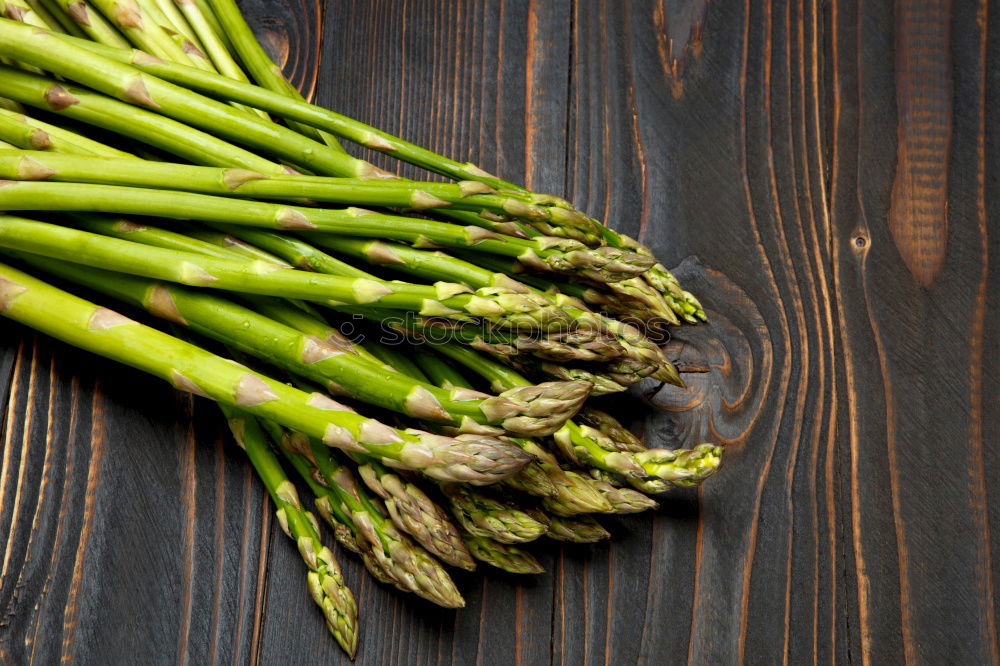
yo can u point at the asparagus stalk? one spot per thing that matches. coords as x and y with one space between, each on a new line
624 500
682 467
470 196
25 136
482 515
92 22
440 266
617 434
574 493
586 445
361 525
416 514
334 514
603 385
129 84
50 11
646 359
176 20
202 33
140 29
578 495
264 71
326 363
126 229
146 126
683 302
297 315
680 301
237 248
580 529
105 332
620 303
326 584
26 13
535 479
65 141
507 309
652 468
562 256
213 23
331 509
503 556
408 566
637 290
295 251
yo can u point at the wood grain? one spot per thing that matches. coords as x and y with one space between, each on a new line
823 174
918 215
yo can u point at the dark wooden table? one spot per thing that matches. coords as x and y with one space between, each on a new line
823 174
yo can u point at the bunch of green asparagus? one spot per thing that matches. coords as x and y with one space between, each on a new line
492 313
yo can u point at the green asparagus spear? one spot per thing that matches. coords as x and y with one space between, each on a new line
47 51
236 183
333 512
484 515
535 479
618 435
105 332
322 361
624 500
128 120
264 71
416 514
579 529
326 584
65 141
92 22
405 563
508 557
54 15
652 468
507 309
137 27
24 136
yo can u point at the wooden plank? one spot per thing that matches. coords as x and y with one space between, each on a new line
105 557
913 342
716 124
